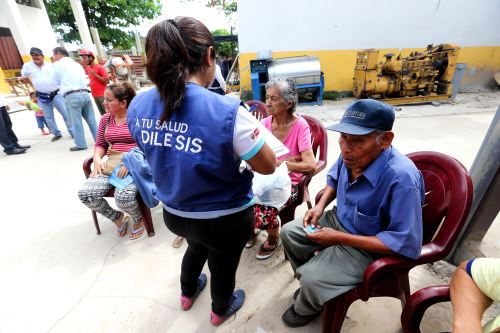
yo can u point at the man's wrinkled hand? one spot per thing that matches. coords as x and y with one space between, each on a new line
312 216
325 237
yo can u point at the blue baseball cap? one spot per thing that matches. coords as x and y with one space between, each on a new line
36 50
365 116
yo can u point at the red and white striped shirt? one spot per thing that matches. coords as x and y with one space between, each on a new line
117 135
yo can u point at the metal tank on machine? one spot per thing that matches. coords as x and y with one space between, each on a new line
305 71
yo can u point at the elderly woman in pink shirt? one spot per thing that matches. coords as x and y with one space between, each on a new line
294 132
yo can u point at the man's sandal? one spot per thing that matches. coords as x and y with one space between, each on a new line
137 233
122 230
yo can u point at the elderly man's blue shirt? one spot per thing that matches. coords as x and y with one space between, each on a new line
386 201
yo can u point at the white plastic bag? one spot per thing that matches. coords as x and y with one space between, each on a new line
272 190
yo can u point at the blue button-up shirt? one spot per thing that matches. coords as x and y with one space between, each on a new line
385 201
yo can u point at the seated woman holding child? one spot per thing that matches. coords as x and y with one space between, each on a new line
114 139
294 132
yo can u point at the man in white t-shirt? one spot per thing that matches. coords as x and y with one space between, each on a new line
47 93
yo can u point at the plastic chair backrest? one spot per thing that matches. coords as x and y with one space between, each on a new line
319 138
448 197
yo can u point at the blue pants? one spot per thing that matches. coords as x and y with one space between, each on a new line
48 111
40 120
78 106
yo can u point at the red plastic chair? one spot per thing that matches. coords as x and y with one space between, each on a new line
259 111
319 146
448 199
145 211
419 302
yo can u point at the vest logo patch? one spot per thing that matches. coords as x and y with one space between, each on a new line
168 134
255 134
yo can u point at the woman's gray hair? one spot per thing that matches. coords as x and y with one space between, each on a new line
288 90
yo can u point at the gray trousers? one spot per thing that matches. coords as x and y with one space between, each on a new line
331 272
99 101
92 194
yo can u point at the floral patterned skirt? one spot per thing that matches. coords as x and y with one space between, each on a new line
266 217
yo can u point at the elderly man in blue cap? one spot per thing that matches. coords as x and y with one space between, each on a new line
379 194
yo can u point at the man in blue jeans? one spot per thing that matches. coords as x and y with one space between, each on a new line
70 77
47 93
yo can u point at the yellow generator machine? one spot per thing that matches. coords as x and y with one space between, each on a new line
420 77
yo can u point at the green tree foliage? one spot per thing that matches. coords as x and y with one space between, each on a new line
227 6
224 48
112 18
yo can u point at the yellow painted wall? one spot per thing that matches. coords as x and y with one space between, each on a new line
7 73
338 66
4 87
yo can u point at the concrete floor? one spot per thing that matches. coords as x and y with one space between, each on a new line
59 276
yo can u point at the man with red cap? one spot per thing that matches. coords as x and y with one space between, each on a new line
98 78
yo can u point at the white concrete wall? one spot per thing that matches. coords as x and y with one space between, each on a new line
40 31
292 25
29 26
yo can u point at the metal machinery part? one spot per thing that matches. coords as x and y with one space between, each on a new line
305 71
420 77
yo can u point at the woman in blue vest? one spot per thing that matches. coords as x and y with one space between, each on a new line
195 142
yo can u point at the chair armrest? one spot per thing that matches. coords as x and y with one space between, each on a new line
302 187
378 268
87 166
381 267
303 190
318 196
418 303
320 165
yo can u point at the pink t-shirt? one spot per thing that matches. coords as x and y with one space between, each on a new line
298 140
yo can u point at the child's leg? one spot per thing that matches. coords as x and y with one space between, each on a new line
39 121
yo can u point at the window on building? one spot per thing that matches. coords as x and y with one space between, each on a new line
30 3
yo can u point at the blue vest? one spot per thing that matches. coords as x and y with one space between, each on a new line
191 155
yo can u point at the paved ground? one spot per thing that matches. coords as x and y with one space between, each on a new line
59 276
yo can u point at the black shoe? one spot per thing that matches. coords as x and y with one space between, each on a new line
293 319
15 151
55 138
23 146
75 148
296 294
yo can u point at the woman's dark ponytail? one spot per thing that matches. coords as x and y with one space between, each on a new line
174 50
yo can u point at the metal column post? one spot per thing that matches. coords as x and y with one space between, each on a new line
81 23
485 206
97 41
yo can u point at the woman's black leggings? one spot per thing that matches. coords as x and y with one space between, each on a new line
220 241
